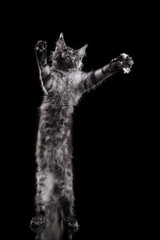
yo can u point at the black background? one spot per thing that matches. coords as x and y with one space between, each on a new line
111 177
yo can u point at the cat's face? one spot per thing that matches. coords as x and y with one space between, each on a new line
67 58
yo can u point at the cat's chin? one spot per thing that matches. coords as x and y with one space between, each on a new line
66 66
68 62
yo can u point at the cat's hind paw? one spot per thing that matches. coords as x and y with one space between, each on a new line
37 223
41 46
72 224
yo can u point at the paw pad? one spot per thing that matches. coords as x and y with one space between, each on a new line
41 46
125 62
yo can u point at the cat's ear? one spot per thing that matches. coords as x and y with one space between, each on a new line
82 51
60 44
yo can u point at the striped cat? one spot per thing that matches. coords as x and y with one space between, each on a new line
63 84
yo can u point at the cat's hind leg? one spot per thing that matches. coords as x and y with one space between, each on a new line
45 184
70 221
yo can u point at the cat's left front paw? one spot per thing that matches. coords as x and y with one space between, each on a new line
124 62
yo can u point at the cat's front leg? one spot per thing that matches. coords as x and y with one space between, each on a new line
44 68
122 63
41 53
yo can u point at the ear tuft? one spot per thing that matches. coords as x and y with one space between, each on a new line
82 51
60 43
61 35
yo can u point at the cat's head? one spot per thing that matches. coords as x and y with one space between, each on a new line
66 58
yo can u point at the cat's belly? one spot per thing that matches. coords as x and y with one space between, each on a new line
54 147
54 135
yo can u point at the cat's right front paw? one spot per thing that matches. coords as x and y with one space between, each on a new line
41 46
37 223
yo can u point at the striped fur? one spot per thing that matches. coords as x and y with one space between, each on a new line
63 84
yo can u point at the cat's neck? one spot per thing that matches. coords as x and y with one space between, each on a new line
62 68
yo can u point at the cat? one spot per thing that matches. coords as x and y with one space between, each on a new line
63 83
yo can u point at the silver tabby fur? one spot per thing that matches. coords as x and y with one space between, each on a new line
63 83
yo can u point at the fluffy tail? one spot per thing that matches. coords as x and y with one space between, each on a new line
53 232
53 225
48 226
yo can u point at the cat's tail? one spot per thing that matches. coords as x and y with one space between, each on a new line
53 225
53 229
53 232
57 230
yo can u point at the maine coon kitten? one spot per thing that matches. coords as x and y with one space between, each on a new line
63 84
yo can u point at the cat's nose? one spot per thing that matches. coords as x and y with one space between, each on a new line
65 55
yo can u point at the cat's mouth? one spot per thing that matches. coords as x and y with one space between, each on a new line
68 58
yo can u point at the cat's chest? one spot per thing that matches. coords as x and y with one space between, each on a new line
64 88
